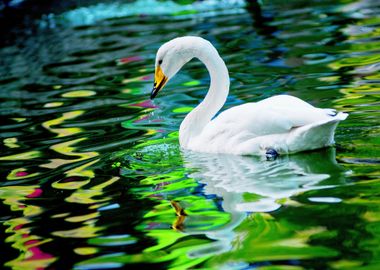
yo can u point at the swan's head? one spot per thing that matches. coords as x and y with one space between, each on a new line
171 56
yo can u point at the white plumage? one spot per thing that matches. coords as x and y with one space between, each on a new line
282 123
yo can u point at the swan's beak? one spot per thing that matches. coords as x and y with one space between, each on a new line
159 81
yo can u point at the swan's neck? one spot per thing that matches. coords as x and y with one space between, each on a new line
198 118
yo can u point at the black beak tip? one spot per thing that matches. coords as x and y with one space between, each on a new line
154 92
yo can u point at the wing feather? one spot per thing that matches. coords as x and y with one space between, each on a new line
275 115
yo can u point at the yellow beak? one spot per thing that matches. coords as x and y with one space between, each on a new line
159 82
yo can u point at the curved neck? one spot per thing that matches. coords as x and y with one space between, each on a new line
215 98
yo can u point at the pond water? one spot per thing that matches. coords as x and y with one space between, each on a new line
92 171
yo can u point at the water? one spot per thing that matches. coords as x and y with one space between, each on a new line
92 171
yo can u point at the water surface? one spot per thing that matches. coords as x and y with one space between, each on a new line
92 171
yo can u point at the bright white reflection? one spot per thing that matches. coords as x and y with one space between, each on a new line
234 177
248 184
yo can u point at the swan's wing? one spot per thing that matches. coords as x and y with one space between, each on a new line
275 115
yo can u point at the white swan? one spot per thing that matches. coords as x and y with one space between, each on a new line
276 125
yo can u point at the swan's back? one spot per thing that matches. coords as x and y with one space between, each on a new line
284 123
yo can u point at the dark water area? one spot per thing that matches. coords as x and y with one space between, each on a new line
91 169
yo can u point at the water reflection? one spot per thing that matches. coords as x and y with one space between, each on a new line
245 185
248 184
89 167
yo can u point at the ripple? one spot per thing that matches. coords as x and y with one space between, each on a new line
93 176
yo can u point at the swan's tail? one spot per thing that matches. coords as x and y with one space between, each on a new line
318 135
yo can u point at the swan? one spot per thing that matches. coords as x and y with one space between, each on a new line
280 124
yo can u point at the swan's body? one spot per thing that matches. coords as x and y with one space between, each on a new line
283 123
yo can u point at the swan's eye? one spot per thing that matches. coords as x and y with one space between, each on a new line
160 62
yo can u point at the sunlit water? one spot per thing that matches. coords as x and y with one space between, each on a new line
91 168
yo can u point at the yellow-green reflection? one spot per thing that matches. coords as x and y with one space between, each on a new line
89 230
62 132
86 196
19 119
11 142
66 148
53 104
20 173
85 251
79 93
22 156
19 231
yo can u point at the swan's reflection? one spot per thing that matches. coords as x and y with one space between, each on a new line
248 184
235 177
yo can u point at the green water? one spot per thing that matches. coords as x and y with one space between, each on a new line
91 168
